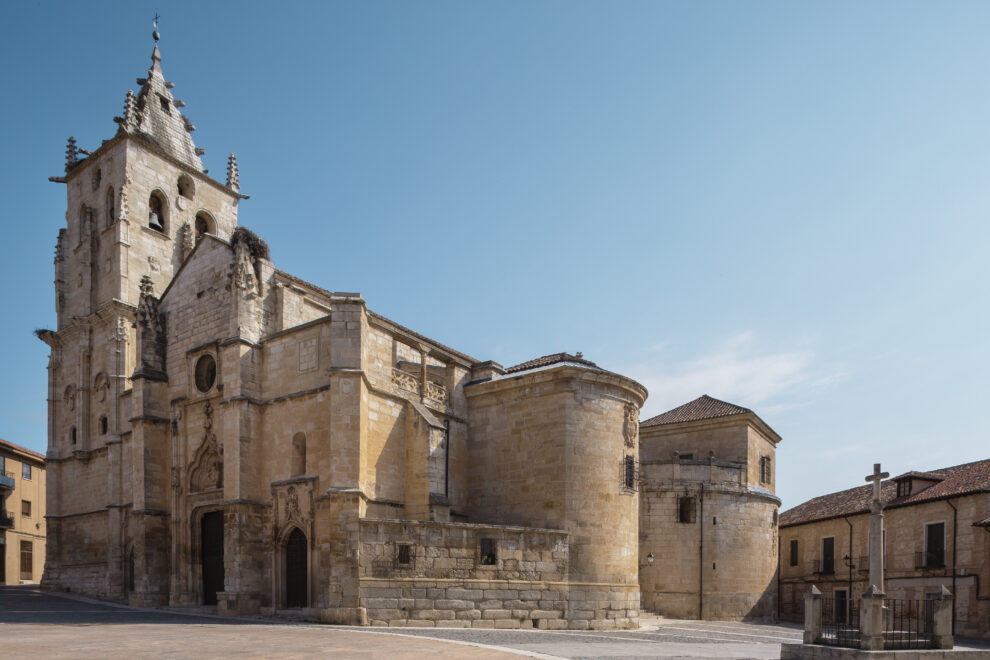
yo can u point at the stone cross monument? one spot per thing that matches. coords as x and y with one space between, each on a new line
876 529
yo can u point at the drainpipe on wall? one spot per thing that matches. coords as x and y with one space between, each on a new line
850 562
955 596
701 555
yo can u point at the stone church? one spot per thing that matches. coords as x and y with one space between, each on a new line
224 433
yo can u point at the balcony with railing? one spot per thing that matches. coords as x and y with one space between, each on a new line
7 480
824 567
929 560
6 522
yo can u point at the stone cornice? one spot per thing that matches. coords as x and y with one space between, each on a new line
562 373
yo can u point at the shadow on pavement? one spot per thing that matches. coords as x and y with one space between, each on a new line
28 604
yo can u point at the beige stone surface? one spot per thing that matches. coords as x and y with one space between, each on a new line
17 528
231 388
721 563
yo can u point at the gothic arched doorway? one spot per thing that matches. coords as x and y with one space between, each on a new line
296 570
211 541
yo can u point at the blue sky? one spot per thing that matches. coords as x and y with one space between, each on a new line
779 204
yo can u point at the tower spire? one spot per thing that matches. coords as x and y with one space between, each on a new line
155 115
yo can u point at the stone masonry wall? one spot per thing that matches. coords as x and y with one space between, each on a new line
445 583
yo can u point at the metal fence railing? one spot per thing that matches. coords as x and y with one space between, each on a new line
908 623
840 622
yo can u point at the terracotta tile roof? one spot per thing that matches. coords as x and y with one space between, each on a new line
548 360
955 481
704 407
10 445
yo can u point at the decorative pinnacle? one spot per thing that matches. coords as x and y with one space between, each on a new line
130 111
71 155
147 287
233 179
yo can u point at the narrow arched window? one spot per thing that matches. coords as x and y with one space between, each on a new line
298 454
204 224
72 435
156 212
110 207
104 425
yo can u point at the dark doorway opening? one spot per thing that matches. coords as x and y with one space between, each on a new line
212 555
130 570
296 572
841 606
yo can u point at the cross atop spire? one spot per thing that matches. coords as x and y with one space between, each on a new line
156 35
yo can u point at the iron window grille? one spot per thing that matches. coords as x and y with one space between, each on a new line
630 473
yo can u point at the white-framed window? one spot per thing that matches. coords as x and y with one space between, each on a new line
934 540
26 471
827 562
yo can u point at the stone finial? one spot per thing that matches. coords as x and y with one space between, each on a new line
71 154
873 592
233 178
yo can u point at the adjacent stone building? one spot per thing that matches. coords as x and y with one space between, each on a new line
936 533
222 432
708 513
22 514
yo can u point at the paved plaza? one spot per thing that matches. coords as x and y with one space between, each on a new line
64 626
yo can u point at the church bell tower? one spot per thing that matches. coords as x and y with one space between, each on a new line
136 208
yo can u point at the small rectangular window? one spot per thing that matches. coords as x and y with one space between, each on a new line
686 457
405 553
27 561
686 509
765 469
26 508
26 471
487 552
904 488
3 464
794 552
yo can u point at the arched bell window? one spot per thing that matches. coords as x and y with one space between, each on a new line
204 224
156 212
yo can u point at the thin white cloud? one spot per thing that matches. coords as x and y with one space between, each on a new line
737 370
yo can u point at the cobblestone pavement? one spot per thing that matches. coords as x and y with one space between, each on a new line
35 624
657 638
56 626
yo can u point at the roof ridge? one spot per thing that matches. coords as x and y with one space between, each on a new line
704 407
551 359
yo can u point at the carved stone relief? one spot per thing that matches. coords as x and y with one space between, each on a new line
630 426
206 471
